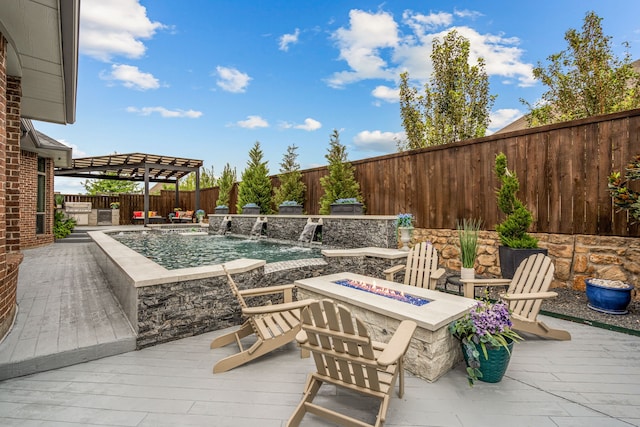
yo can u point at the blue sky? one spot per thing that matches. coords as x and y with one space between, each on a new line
206 79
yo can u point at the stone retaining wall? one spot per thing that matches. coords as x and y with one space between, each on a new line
337 231
576 257
185 308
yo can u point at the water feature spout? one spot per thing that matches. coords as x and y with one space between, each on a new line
225 225
311 232
259 228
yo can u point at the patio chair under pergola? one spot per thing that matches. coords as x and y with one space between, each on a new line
136 167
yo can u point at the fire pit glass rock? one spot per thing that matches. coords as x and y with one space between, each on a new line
382 291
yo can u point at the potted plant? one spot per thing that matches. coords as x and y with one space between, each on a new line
114 205
516 243
200 214
251 209
290 207
222 210
608 296
468 236
347 206
59 200
404 225
487 340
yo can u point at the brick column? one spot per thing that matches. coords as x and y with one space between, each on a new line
7 287
12 163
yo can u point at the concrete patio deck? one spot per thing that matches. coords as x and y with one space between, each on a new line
592 380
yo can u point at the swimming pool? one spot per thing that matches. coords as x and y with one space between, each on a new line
173 250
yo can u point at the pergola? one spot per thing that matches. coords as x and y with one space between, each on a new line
136 167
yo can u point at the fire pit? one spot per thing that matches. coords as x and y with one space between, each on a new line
382 305
382 291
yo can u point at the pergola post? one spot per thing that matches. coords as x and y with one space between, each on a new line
146 195
197 189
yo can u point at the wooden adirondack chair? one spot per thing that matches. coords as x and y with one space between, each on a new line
346 357
527 290
421 269
274 325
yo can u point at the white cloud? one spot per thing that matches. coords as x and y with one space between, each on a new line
387 94
372 47
253 122
114 27
308 125
232 80
131 77
287 39
466 13
421 24
360 46
501 118
376 140
165 113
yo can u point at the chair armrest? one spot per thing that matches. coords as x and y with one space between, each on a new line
438 273
266 309
267 290
391 271
399 343
301 337
487 282
529 296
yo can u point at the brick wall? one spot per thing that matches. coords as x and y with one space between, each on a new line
576 257
28 201
12 195
7 287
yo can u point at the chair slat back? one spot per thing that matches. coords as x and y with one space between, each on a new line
234 289
340 344
534 274
422 261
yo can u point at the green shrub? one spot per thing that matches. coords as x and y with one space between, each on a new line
513 230
62 225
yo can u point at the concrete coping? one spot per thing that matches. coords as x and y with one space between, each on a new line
144 272
386 253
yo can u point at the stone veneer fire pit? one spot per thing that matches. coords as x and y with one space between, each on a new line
433 350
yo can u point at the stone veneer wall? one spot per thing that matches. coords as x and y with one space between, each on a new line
337 231
576 257
181 309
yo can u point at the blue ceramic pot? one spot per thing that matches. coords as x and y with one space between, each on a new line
608 300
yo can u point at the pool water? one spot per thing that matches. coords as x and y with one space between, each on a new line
173 250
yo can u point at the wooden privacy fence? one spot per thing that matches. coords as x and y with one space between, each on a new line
563 170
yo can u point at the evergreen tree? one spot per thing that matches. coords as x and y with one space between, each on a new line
291 185
586 79
207 180
341 182
110 186
456 104
225 184
255 186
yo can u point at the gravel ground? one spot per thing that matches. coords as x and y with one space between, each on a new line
574 304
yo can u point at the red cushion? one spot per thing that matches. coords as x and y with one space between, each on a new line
137 214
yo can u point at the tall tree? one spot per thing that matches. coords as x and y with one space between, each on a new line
225 184
291 185
256 184
586 79
110 186
207 180
456 103
341 182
